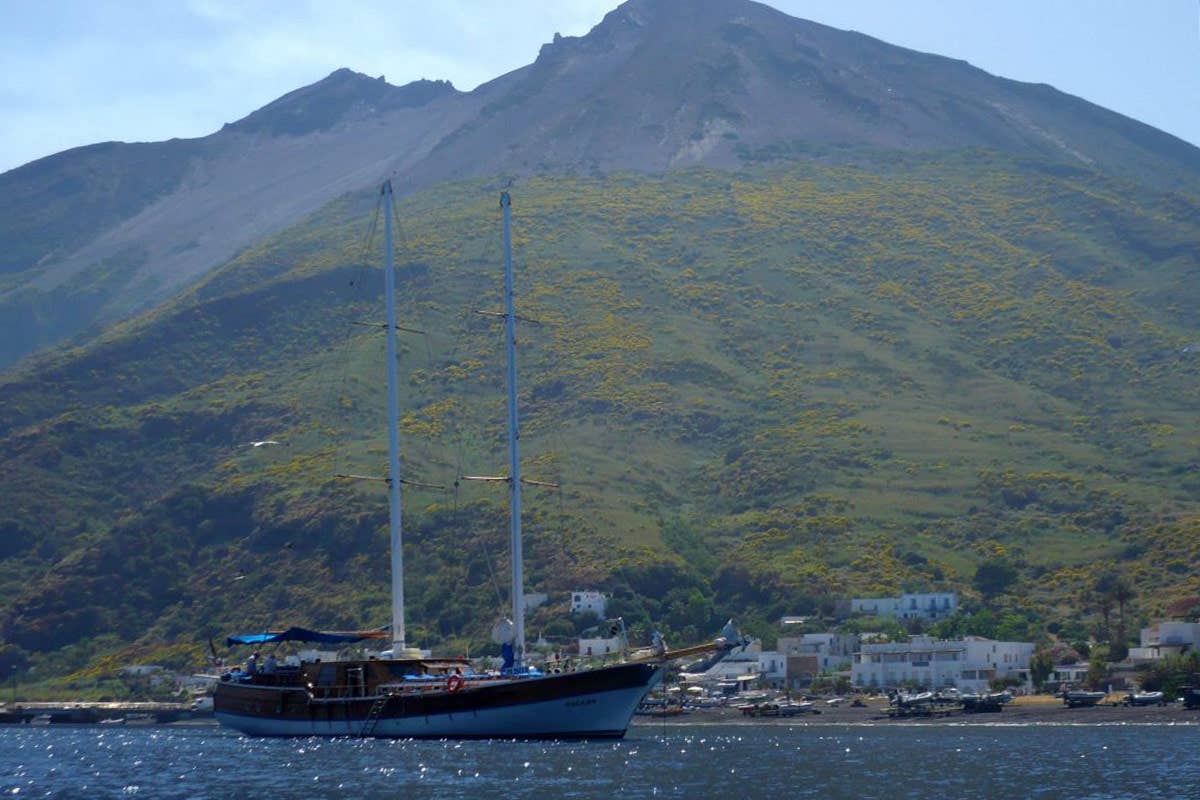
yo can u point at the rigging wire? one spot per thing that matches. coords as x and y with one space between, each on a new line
482 545
357 286
402 241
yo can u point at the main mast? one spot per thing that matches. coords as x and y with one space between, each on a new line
514 443
393 413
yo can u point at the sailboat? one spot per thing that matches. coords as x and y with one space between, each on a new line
400 693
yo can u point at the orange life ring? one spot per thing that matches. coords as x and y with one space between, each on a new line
454 683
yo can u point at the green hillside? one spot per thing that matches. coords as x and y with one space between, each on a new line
761 391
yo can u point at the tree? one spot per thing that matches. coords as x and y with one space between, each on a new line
1113 589
1172 672
1097 675
1040 667
994 577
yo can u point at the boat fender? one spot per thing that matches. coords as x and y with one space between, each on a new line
454 683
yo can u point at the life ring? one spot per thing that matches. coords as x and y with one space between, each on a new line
454 683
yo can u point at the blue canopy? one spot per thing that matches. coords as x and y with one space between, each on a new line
305 635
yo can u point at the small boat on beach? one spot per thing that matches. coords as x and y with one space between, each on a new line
1145 699
984 702
1079 698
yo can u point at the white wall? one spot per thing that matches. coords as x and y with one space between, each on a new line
773 666
831 649
929 605
966 664
911 605
595 602
599 647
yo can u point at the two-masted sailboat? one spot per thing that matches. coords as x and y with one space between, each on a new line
400 693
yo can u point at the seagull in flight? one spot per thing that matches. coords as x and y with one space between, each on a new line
262 443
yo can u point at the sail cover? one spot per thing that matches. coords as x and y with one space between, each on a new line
305 635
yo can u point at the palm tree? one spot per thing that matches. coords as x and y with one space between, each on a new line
1114 589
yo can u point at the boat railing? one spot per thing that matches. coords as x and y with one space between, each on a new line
281 677
414 685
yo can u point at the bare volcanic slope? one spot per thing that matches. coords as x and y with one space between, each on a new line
660 84
93 234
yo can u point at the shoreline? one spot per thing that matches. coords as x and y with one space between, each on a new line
1015 713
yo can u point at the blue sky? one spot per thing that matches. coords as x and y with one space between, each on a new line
74 72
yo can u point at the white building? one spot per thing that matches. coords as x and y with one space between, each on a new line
600 646
927 605
832 650
967 664
772 668
1166 638
596 602
1070 674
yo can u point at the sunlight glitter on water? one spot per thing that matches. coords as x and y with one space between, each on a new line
684 761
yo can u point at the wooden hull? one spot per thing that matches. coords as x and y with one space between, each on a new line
595 703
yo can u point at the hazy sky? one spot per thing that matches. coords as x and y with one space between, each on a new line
74 72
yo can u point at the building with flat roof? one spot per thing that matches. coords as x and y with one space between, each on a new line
968 664
910 605
596 602
832 650
1166 638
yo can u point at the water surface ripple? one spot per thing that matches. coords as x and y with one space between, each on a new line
677 761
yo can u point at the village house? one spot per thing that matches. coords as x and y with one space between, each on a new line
832 650
925 606
1166 638
600 646
968 664
596 602
1069 674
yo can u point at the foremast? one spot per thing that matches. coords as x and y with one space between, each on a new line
514 443
393 418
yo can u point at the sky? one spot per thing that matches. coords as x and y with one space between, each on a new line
75 72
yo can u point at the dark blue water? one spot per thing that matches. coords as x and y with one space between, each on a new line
734 762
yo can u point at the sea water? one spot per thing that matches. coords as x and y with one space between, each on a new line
729 761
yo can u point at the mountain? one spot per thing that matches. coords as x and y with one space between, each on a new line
760 390
94 234
771 372
660 84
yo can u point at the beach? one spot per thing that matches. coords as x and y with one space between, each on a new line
1030 710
